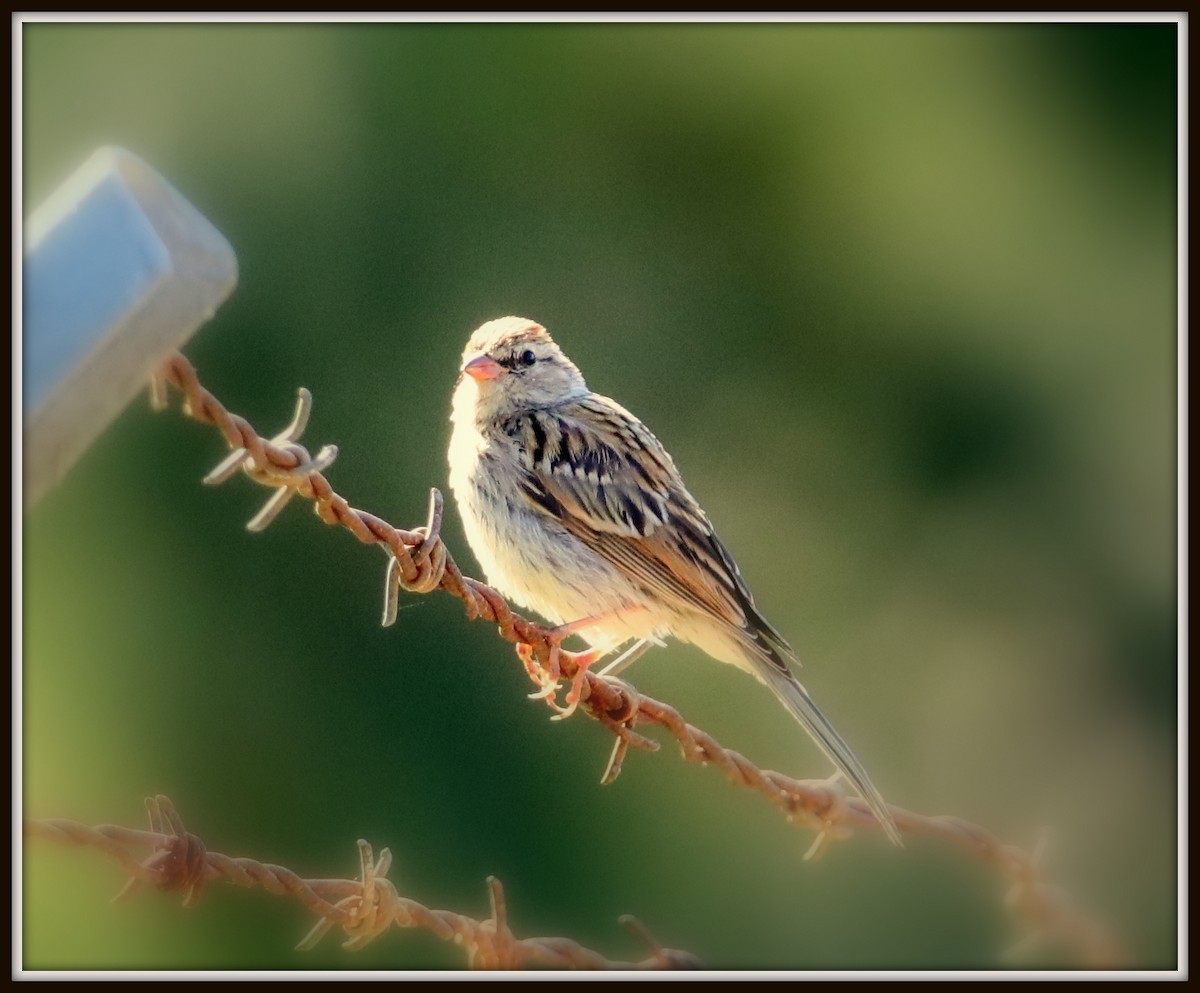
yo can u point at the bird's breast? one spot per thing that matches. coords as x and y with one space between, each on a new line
526 554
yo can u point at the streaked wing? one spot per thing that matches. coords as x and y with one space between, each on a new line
599 471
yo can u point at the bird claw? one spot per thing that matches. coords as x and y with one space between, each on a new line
549 688
547 677
582 661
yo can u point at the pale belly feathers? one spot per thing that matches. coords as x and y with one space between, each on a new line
533 560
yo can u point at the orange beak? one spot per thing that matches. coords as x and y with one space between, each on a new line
483 367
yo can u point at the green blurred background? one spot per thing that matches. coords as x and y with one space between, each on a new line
899 298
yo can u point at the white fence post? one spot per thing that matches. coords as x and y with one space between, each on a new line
118 270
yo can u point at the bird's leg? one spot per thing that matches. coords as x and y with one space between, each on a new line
547 676
626 658
582 660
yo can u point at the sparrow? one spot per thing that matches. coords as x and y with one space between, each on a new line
576 511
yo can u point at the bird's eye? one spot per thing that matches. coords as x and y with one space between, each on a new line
527 357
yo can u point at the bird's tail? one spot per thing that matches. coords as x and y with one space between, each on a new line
795 697
768 656
762 651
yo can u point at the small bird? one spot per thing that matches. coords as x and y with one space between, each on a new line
575 510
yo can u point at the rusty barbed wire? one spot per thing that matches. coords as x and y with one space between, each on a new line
364 908
419 562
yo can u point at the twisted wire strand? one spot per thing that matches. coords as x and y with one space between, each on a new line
364 909
419 562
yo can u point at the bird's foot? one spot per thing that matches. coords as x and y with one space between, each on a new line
547 676
582 661
546 679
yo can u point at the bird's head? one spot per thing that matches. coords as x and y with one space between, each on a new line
512 364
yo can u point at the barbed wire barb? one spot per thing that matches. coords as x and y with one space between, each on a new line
419 562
